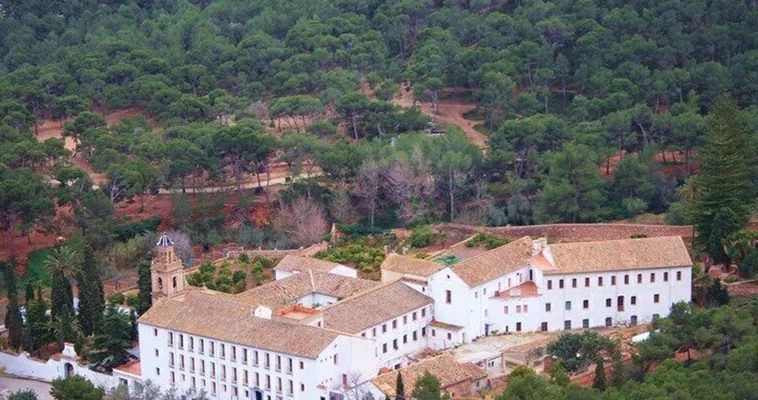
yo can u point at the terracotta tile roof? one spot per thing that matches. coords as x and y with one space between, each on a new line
411 265
286 291
295 263
133 367
220 316
494 263
373 307
442 325
444 367
613 255
526 289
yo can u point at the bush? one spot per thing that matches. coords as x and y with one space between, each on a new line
679 213
136 228
365 258
423 236
132 301
488 240
116 298
749 266
244 258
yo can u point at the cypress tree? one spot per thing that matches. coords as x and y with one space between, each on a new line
14 322
28 294
145 284
399 387
725 175
61 296
599 382
37 323
91 297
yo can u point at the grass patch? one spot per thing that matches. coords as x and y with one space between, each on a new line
36 272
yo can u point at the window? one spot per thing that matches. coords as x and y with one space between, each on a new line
448 296
639 278
373 332
633 300
157 371
526 309
652 277
405 339
656 298
202 346
302 387
665 276
560 284
600 281
567 325
505 310
423 312
543 327
586 282
302 365
434 333
608 321
192 344
394 324
608 302
413 316
586 323
155 332
586 304
384 348
335 359
679 275
634 320
405 320
626 279
415 336
549 284
548 307
518 309
476 295
568 306
518 326
423 332
173 378
384 328
613 280
449 336
573 283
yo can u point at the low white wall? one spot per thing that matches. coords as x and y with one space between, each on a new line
24 366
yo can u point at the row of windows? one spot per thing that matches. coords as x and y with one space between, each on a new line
413 317
575 282
585 304
279 388
256 358
567 324
396 343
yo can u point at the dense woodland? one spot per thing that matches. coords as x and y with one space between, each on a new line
560 87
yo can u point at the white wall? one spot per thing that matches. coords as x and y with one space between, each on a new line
23 366
461 308
406 326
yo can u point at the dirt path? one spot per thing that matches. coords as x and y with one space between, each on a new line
449 111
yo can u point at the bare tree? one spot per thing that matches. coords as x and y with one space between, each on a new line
410 185
343 209
355 390
304 221
367 186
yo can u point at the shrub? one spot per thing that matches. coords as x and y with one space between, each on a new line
423 236
244 258
132 301
265 261
488 240
116 298
365 258
136 228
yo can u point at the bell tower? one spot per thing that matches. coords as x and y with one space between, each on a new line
166 270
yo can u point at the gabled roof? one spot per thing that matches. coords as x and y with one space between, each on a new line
615 255
494 263
444 367
294 263
373 307
220 316
411 265
286 291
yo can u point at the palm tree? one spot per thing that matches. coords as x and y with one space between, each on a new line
66 328
64 260
61 265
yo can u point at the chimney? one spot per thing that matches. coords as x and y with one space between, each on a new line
538 245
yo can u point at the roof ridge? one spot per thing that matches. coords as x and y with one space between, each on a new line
619 240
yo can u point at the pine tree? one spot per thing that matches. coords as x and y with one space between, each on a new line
14 322
91 297
113 339
717 295
724 179
145 284
399 387
725 222
599 382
